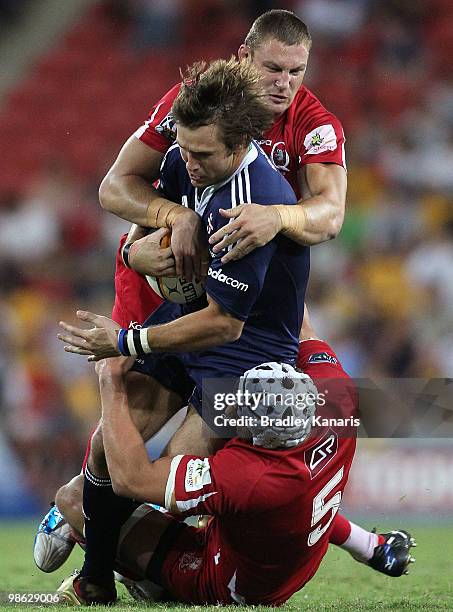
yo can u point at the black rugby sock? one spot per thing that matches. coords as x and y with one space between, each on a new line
104 514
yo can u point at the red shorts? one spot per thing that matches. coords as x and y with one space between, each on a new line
183 565
184 573
134 298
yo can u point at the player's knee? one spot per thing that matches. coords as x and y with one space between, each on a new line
62 500
96 460
69 497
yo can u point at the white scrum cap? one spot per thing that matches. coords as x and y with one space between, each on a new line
287 400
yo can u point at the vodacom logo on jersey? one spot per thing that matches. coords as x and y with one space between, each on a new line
228 280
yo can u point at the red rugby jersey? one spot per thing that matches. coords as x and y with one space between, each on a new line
273 509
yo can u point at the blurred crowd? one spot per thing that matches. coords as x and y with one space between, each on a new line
11 11
381 293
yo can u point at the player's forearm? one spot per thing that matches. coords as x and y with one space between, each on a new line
312 221
134 199
132 473
124 448
194 332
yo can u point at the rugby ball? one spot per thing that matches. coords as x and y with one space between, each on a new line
177 289
53 547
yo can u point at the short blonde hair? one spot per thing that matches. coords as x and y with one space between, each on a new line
280 24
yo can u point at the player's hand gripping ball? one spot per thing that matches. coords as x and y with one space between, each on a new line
177 289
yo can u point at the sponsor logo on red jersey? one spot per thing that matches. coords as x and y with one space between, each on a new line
320 140
198 474
322 358
167 127
280 157
317 457
190 562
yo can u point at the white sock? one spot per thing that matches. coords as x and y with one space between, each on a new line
361 543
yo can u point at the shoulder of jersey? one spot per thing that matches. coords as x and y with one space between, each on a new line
174 91
266 181
262 161
308 105
171 156
262 166
305 96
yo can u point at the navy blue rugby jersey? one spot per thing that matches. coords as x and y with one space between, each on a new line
265 289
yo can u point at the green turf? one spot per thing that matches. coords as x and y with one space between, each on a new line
340 584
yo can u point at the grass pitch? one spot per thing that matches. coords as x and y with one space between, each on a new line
340 584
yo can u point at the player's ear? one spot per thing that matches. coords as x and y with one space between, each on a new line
244 52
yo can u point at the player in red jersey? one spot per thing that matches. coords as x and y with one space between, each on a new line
263 500
281 491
